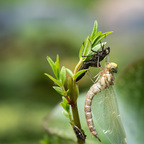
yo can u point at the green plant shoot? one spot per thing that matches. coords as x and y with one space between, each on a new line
71 93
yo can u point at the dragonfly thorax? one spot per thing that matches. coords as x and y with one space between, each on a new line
106 79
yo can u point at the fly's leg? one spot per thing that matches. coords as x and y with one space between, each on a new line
98 61
97 77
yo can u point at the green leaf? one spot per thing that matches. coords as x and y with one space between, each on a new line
59 90
95 29
106 33
65 113
79 73
64 100
66 92
57 65
65 104
94 40
54 80
70 72
66 107
87 47
63 75
100 37
52 64
81 51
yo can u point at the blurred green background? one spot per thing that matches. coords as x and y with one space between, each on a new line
30 30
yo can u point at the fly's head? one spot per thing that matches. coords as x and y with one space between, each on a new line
112 67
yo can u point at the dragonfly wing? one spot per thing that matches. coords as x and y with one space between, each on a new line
107 118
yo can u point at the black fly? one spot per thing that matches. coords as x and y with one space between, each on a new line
79 133
94 61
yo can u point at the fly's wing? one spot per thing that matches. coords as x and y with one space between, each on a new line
107 118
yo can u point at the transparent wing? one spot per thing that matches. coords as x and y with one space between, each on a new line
107 118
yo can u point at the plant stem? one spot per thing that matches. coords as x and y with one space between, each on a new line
73 93
77 121
78 66
76 116
75 108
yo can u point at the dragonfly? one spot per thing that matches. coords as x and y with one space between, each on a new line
94 61
105 108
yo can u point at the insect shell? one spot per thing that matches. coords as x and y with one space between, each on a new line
79 133
94 61
106 79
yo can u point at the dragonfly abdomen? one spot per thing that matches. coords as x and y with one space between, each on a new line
93 90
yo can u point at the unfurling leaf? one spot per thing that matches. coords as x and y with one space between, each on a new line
65 104
79 73
63 75
57 65
81 51
95 29
87 46
65 113
52 64
59 90
94 41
